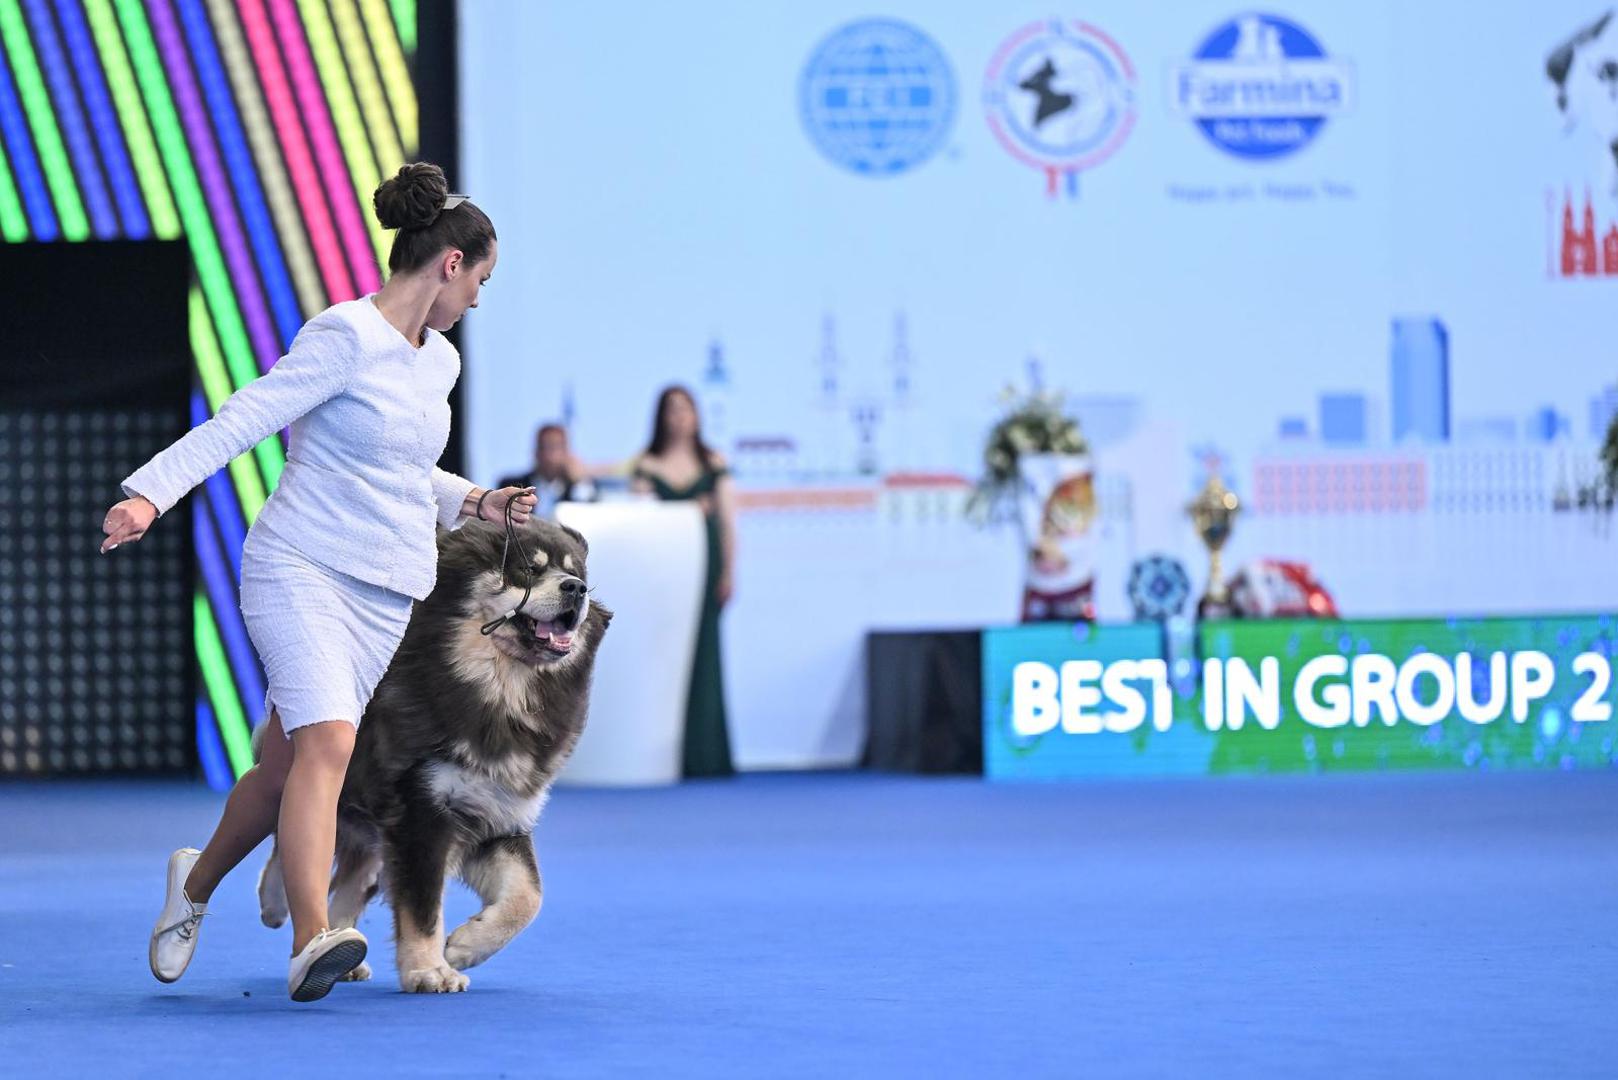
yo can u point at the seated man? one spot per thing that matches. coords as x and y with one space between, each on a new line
557 476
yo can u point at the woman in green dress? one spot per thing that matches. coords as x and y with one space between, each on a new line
678 465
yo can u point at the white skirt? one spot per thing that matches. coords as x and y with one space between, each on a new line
325 638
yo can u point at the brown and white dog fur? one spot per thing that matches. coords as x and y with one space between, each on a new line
458 749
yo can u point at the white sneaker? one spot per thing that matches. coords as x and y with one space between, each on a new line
329 956
174 938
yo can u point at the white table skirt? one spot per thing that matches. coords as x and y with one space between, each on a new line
646 564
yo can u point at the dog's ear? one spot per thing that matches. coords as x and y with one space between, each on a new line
577 535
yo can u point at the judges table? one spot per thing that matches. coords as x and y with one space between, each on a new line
646 564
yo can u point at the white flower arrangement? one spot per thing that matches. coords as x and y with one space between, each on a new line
1033 423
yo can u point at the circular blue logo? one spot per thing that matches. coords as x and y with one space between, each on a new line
877 97
1260 86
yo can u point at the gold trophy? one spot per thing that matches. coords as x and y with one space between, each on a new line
1213 513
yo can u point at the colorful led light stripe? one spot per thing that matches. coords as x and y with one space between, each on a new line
13 220
313 107
67 214
31 181
294 145
216 188
216 386
180 122
211 274
103 122
132 116
271 168
363 169
241 175
227 513
210 750
227 707
199 232
222 501
221 589
223 599
71 120
395 71
368 88
404 18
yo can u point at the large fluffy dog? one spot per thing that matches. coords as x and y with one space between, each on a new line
458 749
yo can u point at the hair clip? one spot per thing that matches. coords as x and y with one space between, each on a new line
453 201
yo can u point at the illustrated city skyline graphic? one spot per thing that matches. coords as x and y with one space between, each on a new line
1579 255
1420 404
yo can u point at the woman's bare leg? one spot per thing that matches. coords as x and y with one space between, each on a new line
249 816
307 835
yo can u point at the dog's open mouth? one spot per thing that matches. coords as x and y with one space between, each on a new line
555 636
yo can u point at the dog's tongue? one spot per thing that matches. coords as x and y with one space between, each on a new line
558 634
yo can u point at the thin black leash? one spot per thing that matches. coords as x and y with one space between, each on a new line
505 550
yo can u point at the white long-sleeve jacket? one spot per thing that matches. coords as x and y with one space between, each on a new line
369 414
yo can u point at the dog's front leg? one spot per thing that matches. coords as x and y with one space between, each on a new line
416 856
503 872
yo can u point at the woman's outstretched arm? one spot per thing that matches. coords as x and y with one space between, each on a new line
318 367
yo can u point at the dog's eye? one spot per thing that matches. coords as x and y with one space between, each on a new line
526 575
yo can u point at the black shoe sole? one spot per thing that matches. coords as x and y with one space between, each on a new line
329 970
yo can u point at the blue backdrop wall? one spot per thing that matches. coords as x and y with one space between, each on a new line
1361 257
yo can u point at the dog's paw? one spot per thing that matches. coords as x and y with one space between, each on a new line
460 952
361 973
433 980
460 958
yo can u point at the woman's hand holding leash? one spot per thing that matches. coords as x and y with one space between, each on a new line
127 522
491 504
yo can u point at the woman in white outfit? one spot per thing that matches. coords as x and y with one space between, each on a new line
336 556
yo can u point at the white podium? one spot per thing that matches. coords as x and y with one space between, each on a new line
647 563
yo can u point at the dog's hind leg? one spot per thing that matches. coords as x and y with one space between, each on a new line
503 872
416 861
352 888
272 889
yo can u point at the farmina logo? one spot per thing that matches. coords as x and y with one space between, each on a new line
1261 87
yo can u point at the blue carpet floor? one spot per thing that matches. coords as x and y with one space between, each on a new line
851 925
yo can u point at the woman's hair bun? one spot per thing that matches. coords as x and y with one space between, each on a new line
413 198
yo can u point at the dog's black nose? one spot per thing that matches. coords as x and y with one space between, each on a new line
571 586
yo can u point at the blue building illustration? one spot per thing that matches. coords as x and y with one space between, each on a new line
1420 380
1343 419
